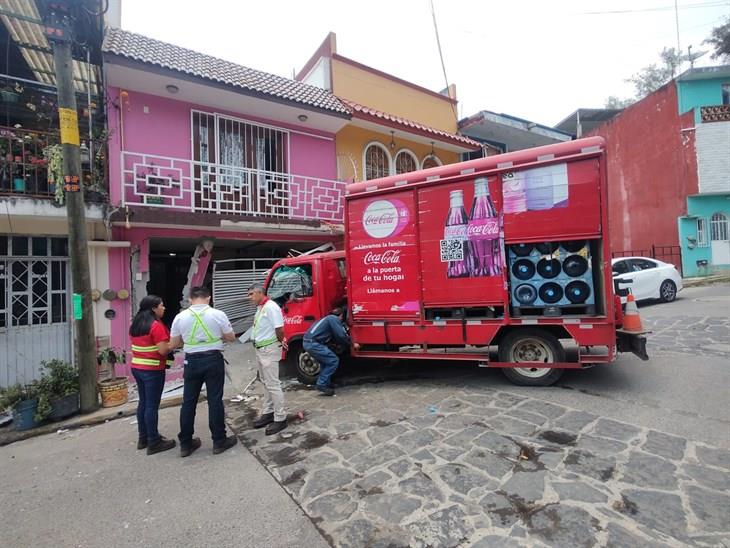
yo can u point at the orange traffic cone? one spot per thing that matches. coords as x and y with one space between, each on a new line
632 320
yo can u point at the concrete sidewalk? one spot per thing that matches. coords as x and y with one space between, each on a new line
91 487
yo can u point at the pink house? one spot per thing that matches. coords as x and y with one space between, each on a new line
215 171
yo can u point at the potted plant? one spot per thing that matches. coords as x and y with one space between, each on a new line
58 391
53 155
114 390
23 400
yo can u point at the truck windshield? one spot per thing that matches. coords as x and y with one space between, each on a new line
290 283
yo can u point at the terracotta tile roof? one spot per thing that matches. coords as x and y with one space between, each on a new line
154 52
367 113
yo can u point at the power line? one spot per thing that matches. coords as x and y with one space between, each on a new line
441 55
660 8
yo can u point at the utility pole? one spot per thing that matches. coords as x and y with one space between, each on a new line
59 31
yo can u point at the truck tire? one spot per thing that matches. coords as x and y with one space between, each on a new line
531 344
305 365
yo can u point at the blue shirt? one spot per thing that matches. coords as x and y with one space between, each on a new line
328 328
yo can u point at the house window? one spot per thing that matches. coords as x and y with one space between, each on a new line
405 161
430 161
719 227
726 94
236 143
377 161
701 232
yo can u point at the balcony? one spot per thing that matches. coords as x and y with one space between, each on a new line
186 185
716 113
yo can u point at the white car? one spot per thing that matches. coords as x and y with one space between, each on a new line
652 279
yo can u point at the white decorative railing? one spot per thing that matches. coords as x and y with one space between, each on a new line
187 185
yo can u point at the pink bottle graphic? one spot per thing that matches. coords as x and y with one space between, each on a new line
457 224
483 232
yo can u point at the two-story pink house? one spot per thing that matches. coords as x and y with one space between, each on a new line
215 171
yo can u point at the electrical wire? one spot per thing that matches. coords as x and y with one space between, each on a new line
441 56
660 8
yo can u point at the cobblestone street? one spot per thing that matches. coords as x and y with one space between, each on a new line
453 458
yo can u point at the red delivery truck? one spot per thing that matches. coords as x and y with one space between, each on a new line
502 260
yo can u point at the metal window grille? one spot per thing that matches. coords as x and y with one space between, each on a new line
702 232
33 281
377 162
404 163
430 161
719 227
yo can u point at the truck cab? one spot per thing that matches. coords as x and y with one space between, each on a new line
306 288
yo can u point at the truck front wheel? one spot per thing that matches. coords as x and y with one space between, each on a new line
531 345
306 366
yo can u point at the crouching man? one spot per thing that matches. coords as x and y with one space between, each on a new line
316 342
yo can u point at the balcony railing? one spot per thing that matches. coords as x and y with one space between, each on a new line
186 185
717 113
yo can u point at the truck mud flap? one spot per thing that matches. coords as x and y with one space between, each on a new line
632 342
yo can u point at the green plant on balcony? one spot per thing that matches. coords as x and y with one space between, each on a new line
54 158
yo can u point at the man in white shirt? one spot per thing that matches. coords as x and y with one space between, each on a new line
201 330
268 339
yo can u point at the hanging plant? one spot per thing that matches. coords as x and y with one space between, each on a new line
54 156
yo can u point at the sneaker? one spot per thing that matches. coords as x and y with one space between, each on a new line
163 444
263 420
227 443
326 390
141 444
275 427
188 450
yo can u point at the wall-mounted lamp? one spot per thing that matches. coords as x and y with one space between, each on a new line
392 140
302 117
433 153
172 88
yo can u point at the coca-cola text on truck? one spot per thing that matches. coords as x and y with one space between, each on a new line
525 270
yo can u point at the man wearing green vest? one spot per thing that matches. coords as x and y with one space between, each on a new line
201 330
268 339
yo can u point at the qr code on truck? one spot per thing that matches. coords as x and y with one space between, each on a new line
452 250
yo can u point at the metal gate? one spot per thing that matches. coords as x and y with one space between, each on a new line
231 280
34 306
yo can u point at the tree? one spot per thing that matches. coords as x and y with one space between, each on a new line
614 102
650 78
720 40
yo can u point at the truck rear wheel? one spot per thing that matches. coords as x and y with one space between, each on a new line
531 345
306 366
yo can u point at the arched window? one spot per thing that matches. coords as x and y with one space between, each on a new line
719 227
405 161
430 161
376 161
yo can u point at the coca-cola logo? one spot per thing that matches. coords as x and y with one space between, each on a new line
384 218
455 232
485 228
293 320
391 256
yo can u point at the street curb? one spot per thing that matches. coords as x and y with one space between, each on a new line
709 280
81 421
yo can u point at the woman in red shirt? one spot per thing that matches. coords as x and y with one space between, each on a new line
150 347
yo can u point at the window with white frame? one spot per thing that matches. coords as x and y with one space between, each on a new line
405 162
238 143
701 232
430 161
719 227
376 161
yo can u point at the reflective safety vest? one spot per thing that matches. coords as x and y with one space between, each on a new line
198 324
152 362
145 354
266 342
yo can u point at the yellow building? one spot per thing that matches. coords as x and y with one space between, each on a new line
396 126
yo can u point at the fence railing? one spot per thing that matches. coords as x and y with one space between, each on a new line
187 185
667 253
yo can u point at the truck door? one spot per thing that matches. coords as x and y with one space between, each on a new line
292 289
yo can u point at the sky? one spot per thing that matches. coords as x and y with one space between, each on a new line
535 59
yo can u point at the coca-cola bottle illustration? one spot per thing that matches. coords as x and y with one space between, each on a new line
455 236
483 232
